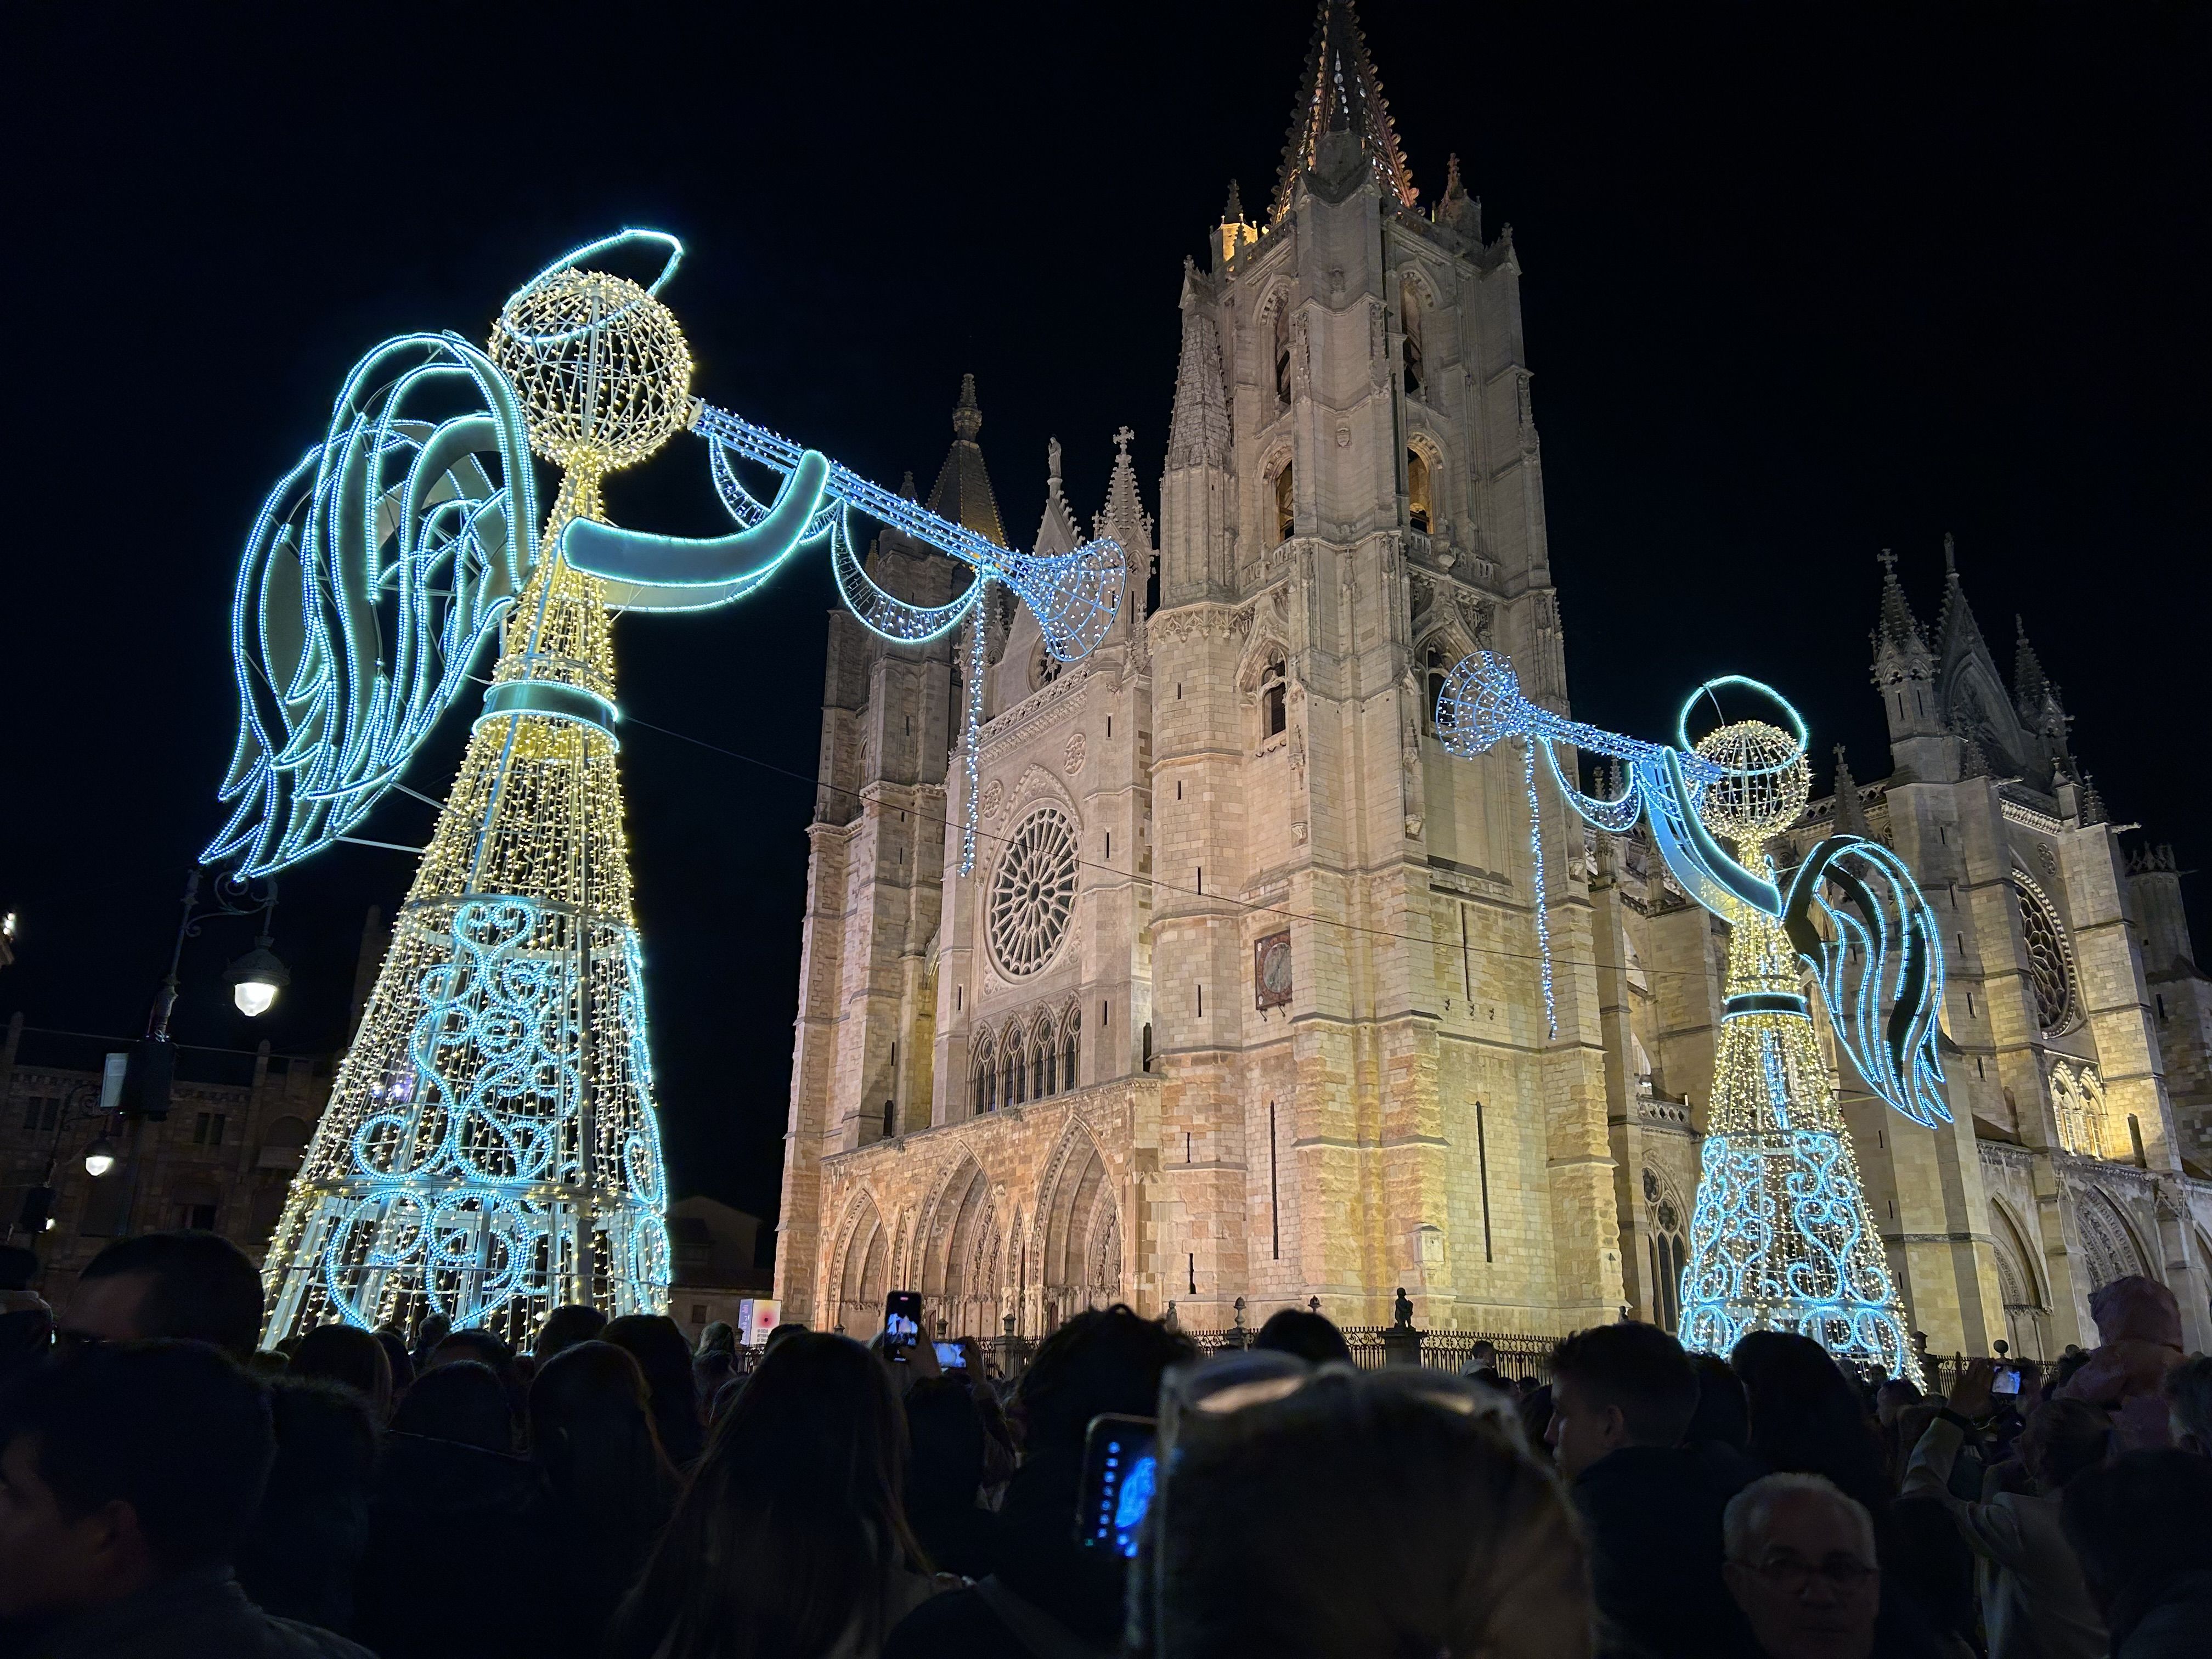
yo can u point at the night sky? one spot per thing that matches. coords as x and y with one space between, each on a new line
1800 284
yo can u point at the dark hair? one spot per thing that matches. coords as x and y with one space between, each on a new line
478 1344
2064 1438
1722 1417
1307 1335
1636 1368
719 1336
783 1333
1368 1512
793 1524
1806 1419
350 1355
1106 1359
395 1355
463 1400
590 1431
2138 1523
202 1287
569 1323
656 1342
172 1428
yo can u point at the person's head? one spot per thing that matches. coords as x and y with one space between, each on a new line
1799 1561
194 1284
783 1333
434 1329
1805 1416
1307 1335
476 1345
945 1428
1481 1357
591 1430
459 1399
2189 1404
1722 1417
1892 1397
566 1326
350 1355
657 1343
718 1337
122 1466
2062 1438
401 1362
2135 1524
1106 1359
1367 1512
799 1502
1617 1385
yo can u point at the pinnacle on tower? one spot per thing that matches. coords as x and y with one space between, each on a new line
1198 431
1900 649
1341 92
1956 630
963 491
2032 687
1851 813
1235 231
1123 517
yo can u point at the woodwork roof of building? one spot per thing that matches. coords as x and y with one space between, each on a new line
963 491
1341 92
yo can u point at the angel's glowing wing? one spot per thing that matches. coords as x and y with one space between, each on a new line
376 570
1880 962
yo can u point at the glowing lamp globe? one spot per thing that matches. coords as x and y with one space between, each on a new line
255 978
1764 783
600 366
99 1158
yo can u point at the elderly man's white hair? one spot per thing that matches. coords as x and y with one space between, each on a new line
1743 1523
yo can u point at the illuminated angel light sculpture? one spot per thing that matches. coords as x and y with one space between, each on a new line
491 1148
1782 1238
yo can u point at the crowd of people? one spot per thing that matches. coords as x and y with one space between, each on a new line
169 1491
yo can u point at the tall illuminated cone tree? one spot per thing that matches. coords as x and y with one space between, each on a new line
1783 1238
491 1148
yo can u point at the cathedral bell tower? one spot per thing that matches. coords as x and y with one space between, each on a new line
1361 1089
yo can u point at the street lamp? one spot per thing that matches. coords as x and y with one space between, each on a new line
99 1158
255 978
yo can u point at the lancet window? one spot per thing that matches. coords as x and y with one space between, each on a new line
1273 697
1416 490
1287 517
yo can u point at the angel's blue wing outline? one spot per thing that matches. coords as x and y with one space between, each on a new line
374 573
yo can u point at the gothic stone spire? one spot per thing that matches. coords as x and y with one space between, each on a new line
963 491
1901 650
1851 814
2031 689
1956 633
1341 92
1198 433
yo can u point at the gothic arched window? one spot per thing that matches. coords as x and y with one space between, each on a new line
1274 713
1434 671
1409 352
1416 490
986 1078
1283 353
1017 1074
1047 1062
1069 1047
1287 517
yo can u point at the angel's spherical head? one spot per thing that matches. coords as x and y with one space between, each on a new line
600 366
1764 782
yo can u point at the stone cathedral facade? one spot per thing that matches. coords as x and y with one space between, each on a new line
1241 1007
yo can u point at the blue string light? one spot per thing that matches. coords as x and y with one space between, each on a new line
1781 1237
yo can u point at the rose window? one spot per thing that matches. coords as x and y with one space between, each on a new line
1033 894
2050 958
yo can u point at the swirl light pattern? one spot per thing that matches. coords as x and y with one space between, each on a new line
1782 1238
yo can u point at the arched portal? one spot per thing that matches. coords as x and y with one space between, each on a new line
1080 1227
864 1271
